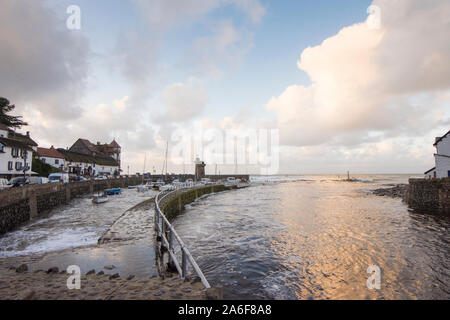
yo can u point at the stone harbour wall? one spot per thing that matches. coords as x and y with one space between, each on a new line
175 205
18 205
431 195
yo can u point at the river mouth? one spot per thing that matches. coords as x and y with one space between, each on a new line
315 240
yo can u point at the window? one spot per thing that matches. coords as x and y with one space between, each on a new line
448 173
10 165
15 152
18 165
2 148
56 161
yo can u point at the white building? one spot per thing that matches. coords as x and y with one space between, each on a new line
16 153
441 158
87 165
52 157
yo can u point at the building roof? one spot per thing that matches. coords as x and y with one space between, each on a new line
114 144
25 138
50 153
15 143
432 169
440 139
84 158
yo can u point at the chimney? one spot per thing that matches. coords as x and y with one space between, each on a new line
436 139
28 133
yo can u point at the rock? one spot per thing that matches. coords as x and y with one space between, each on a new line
27 294
90 272
186 290
196 280
130 277
100 273
22 268
53 270
214 294
110 267
159 293
114 276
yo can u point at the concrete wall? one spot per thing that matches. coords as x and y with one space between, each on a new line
19 205
429 195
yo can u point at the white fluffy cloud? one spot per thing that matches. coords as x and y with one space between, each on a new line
368 83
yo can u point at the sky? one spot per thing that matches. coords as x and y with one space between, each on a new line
332 85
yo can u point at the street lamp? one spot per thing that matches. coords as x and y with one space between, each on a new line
24 157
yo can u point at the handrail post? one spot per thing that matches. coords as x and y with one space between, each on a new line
170 244
184 264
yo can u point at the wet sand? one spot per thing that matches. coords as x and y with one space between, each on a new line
41 285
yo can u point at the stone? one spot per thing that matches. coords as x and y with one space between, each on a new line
130 277
110 267
27 294
90 272
159 293
100 273
214 294
114 276
53 270
186 290
22 268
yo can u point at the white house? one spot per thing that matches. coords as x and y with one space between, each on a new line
16 153
88 165
52 157
441 158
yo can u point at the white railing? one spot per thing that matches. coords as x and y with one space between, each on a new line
168 234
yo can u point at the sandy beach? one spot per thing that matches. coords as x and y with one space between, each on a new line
45 285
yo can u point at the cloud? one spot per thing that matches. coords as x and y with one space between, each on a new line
43 64
164 14
183 101
224 49
368 83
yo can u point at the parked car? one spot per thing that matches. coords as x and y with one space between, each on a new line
58 177
18 182
101 178
4 184
38 180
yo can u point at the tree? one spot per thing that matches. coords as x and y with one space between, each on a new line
8 120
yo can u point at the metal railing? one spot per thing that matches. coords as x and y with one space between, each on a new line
170 238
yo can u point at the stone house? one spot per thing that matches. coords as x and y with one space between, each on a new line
84 146
441 158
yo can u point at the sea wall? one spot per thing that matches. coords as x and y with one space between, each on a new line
18 205
431 195
174 205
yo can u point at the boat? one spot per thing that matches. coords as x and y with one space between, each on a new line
142 188
132 187
100 198
167 187
115 191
